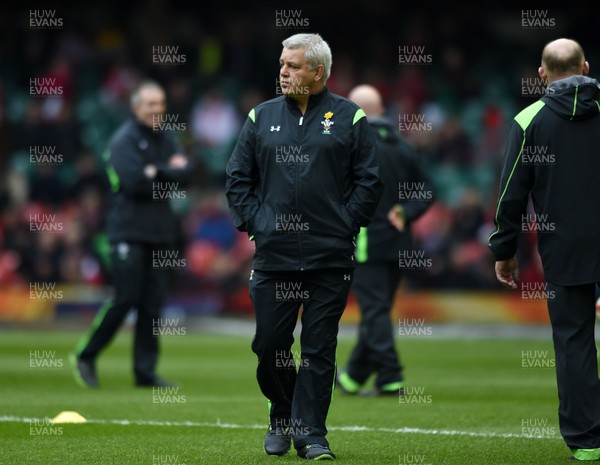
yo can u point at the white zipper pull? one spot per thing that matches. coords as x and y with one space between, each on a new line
300 123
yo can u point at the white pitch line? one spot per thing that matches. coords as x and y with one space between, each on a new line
218 424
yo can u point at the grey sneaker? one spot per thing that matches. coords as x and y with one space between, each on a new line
316 452
277 442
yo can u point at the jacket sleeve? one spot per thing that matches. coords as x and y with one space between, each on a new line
182 176
413 210
368 187
242 178
515 184
164 172
128 164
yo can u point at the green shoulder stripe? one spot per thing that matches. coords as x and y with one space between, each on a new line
113 177
362 243
252 115
358 115
575 102
526 116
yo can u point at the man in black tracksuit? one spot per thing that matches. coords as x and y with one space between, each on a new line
302 180
553 155
146 170
406 196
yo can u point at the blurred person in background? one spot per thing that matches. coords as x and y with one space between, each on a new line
219 256
215 124
144 165
302 180
377 274
565 194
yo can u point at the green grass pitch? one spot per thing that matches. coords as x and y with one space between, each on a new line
469 402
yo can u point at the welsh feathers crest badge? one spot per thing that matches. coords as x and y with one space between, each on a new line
327 123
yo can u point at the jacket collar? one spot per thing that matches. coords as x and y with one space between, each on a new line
145 130
313 99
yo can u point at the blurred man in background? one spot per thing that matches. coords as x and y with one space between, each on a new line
377 274
144 167
302 180
566 195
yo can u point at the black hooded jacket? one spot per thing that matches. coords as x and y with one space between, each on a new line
405 183
554 153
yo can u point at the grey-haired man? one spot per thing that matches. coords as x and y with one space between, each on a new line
302 180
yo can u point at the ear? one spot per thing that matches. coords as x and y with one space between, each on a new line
586 68
320 70
543 75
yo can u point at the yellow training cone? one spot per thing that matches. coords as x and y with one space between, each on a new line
68 417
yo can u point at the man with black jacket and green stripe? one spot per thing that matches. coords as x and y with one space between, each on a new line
146 169
553 155
302 180
406 196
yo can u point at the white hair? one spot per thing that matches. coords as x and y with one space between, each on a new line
135 97
316 50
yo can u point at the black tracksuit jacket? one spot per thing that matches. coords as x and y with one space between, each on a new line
303 186
139 209
553 154
405 183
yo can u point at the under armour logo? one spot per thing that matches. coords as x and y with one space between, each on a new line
347 277
251 275
275 128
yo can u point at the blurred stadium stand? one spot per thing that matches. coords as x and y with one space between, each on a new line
468 93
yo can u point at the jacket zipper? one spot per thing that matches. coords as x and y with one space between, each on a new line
297 169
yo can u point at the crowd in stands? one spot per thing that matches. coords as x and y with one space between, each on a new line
53 186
